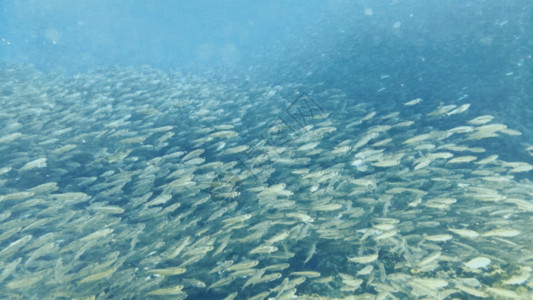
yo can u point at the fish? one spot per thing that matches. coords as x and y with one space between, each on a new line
214 185
413 102
363 259
38 163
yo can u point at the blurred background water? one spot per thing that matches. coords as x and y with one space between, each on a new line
164 34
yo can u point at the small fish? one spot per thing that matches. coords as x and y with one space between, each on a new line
310 253
481 120
38 163
168 271
310 274
98 276
364 259
413 102
465 232
439 237
502 232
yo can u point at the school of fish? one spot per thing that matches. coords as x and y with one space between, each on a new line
133 183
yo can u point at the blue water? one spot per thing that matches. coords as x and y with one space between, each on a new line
92 74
